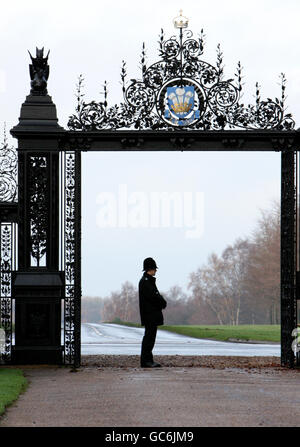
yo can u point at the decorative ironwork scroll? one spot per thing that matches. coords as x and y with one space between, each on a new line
8 196
182 91
69 250
6 260
72 258
38 194
8 173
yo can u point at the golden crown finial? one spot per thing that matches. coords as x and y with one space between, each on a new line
181 21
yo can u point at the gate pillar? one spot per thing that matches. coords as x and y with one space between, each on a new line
288 255
38 285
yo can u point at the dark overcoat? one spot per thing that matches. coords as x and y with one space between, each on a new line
151 301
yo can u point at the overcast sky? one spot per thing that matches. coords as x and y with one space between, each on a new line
92 38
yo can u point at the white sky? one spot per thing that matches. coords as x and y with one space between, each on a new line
92 38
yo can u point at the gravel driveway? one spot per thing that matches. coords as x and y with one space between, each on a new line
213 392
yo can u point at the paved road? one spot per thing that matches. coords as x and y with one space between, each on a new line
115 339
158 397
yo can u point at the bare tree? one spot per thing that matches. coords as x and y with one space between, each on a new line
123 304
235 268
178 308
219 283
205 285
91 309
263 275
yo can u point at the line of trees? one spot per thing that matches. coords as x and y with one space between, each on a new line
240 286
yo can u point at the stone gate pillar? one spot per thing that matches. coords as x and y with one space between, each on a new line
38 285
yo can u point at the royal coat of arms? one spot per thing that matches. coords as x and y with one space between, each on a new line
180 100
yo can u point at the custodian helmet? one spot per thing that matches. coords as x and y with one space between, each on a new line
149 264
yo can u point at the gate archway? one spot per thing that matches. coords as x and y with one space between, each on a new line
180 103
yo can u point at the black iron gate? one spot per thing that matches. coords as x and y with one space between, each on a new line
8 245
8 265
289 252
181 103
71 252
37 292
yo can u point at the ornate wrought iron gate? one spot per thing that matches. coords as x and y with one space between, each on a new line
66 279
289 252
71 252
8 244
8 265
182 103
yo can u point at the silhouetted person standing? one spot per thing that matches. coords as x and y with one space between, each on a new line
151 305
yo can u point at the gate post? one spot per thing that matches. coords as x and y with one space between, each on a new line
72 253
77 298
38 285
288 254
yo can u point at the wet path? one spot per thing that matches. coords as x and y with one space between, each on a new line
116 339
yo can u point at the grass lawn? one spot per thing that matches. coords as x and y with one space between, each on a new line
258 332
12 383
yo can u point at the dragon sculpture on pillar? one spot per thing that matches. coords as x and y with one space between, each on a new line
39 73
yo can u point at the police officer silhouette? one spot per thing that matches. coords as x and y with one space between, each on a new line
151 304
